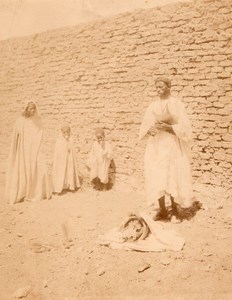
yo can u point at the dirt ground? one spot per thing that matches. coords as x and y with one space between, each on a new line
35 252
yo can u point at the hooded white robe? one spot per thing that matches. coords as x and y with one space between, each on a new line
167 156
26 176
64 173
99 161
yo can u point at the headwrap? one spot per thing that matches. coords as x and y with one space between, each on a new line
166 80
65 128
99 131
25 112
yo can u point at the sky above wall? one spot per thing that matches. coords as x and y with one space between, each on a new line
26 17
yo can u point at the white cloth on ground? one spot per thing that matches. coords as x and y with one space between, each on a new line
159 239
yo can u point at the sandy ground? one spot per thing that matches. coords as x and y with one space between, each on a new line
35 251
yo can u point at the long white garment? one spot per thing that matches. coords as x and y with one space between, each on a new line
99 161
26 176
159 238
64 173
167 156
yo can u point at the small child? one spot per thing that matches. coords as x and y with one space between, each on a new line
64 175
99 161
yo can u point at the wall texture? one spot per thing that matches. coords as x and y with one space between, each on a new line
102 74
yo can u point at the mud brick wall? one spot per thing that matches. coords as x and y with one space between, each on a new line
102 74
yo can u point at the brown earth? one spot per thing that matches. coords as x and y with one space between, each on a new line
51 247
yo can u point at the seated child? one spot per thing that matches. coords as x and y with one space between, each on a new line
64 175
99 160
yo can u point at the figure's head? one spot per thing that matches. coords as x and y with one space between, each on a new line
100 134
66 131
163 86
30 110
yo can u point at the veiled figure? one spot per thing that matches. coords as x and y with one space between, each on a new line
167 130
26 176
64 174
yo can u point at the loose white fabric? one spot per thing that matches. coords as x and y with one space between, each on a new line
26 177
167 156
159 239
99 161
64 173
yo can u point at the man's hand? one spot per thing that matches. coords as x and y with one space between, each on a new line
152 130
165 127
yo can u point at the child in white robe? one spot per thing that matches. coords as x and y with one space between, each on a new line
64 174
99 160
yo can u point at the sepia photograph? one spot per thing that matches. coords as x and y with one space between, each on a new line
116 149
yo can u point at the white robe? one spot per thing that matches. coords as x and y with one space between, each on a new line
64 173
26 176
167 156
99 161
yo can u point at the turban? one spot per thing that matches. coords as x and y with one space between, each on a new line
166 80
65 128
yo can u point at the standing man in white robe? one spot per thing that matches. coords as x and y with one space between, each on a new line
167 130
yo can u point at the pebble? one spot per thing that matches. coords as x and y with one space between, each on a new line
178 256
101 271
165 261
208 268
45 283
220 207
144 267
205 207
207 254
